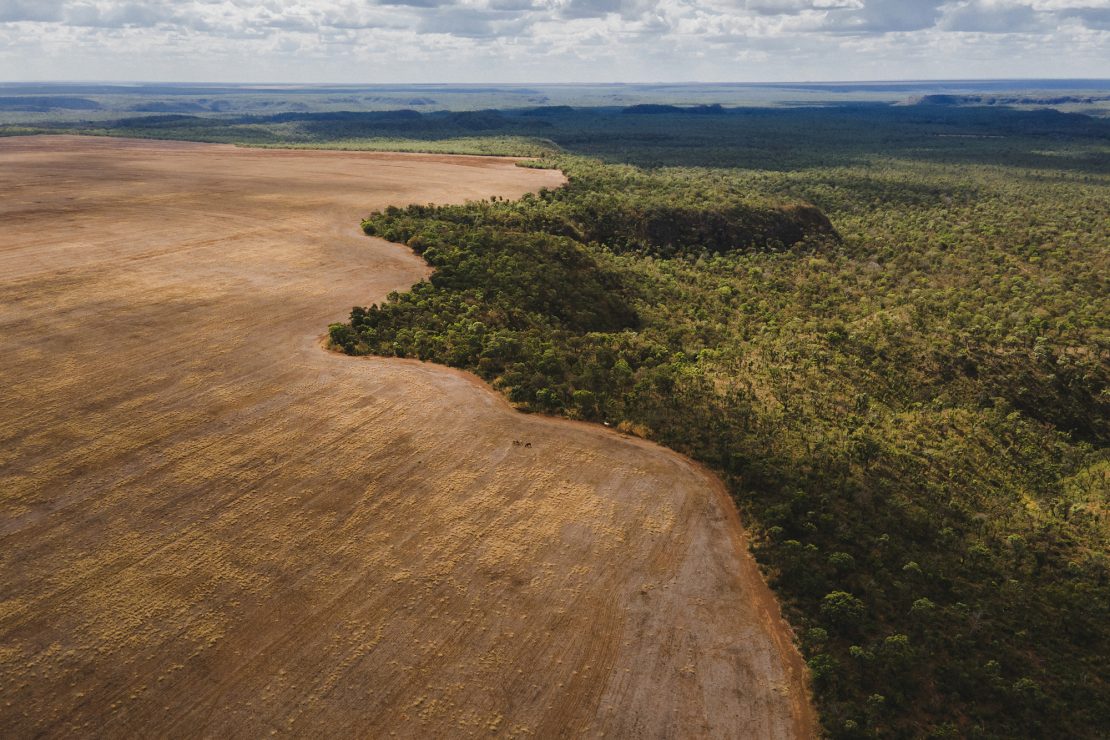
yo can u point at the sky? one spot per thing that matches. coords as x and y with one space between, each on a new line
505 41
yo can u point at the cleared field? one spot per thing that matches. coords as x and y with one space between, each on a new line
211 526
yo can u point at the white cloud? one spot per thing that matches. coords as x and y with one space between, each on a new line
550 40
30 10
996 16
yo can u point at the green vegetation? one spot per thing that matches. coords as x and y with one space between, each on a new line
496 146
911 411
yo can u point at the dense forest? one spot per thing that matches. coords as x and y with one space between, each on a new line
889 336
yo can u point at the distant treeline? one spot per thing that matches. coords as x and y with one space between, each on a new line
43 103
654 109
1023 100
757 138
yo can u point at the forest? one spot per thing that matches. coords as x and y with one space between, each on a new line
886 327
891 342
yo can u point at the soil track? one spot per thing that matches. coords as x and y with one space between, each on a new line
211 526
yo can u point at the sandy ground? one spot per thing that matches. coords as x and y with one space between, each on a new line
209 526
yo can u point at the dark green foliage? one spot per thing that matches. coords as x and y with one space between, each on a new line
518 295
629 210
497 296
911 415
46 103
656 109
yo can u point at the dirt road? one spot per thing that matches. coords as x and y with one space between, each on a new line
211 526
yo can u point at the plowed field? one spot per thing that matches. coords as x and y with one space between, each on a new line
211 526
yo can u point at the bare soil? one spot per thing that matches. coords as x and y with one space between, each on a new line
211 526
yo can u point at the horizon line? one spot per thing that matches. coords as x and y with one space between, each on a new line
891 81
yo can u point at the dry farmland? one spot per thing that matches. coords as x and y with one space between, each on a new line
210 525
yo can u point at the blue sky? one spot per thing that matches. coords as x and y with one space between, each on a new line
362 41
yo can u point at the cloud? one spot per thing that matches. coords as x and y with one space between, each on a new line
589 8
987 16
14 11
1095 18
793 7
886 16
117 15
516 5
458 22
554 39
417 3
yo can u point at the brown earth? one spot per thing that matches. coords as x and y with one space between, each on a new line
211 526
